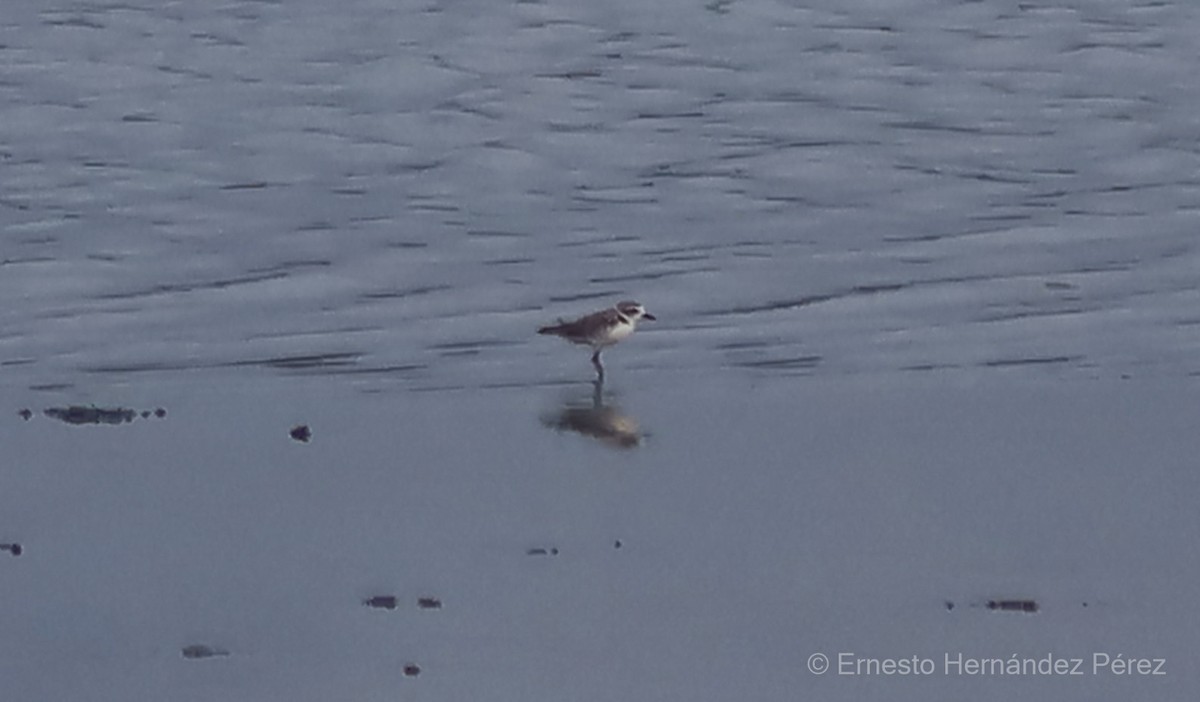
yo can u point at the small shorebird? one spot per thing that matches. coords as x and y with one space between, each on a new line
600 329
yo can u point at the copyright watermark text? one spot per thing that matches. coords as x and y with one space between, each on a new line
849 663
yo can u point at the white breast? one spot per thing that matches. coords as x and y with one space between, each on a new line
615 334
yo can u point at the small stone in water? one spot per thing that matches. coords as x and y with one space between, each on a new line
381 602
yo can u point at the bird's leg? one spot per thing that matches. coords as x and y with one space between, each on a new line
596 364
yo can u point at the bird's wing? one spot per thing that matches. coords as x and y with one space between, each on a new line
563 327
609 316
580 327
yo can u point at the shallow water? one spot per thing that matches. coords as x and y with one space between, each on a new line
749 529
405 191
925 275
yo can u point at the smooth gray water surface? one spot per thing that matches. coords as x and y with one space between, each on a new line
752 528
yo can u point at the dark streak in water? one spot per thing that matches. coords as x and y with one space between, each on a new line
51 387
332 332
773 305
304 362
681 114
1029 361
689 258
577 297
433 207
927 126
795 362
74 21
1008 218
482 343
316 226
402 293
614 239
468 348
255 185
377 370
1030 314
871 289
649 275
13 205
284 266
696 248
496 234
191 287
927 367
31 259
509 261
596 197
876 288
741 345
148 367
571 75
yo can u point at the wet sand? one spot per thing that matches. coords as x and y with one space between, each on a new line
209 555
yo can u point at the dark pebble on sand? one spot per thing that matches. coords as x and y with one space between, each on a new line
412 670
301 433
429 603
382 602
160 413
78 414
26 414
539 551
197 651
14 549
1013 605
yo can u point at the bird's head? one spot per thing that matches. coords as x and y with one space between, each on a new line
634 311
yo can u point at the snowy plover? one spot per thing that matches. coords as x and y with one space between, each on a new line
600 329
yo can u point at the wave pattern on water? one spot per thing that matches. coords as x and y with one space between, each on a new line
853 187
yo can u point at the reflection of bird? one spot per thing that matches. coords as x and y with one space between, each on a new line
607 424
600 329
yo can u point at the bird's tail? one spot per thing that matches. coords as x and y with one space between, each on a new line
551 329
